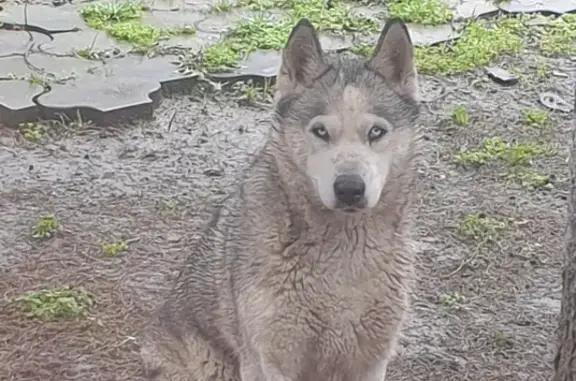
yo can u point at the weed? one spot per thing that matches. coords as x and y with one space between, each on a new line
501 340
560 36
481 228
64 302
427 12
460 116
222 6
528 178
451 299
32 132
45 227
541 70
113 249
535 117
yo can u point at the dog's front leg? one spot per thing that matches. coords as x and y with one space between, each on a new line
250 368
274 373
377 373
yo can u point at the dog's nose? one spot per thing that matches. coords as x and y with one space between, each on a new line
349 189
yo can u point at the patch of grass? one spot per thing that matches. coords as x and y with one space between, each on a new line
451 299
427 12
496 149
121 20
247 36
481 228
535 117
113 249
560 36
460 116
45 227
64 302
478 46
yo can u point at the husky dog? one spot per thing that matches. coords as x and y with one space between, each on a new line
304 273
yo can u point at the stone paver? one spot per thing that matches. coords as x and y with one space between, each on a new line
115 84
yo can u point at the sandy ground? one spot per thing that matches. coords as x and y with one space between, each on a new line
153 183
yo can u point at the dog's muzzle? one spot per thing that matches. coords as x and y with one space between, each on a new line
349 191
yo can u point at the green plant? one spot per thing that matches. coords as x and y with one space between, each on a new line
535 117
481 228
63 302
45 227
460 116
32 132
113 249
451 299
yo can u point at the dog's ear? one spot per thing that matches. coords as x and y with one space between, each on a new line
393 59
302 59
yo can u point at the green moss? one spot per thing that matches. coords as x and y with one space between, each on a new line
260 33
560 36
122 21
64 302
427 12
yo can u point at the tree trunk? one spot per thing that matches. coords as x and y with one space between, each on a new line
565 360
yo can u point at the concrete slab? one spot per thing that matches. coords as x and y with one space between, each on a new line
14 67
93 40
474 8
19 42
43 16
16 102
160 70
542 6
103 100
424 35
260 65
61 68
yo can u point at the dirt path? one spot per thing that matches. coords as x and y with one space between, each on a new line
481 311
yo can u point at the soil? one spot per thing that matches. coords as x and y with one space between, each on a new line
153 184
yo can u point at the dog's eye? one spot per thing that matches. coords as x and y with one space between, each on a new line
321 132
375 133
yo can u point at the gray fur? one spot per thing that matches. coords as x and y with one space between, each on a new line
287 283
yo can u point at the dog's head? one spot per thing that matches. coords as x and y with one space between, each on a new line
346 122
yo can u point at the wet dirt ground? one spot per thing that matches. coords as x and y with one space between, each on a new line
153 184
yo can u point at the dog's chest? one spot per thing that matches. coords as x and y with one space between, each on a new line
342 307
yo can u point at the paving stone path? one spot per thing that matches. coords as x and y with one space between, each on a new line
42 75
